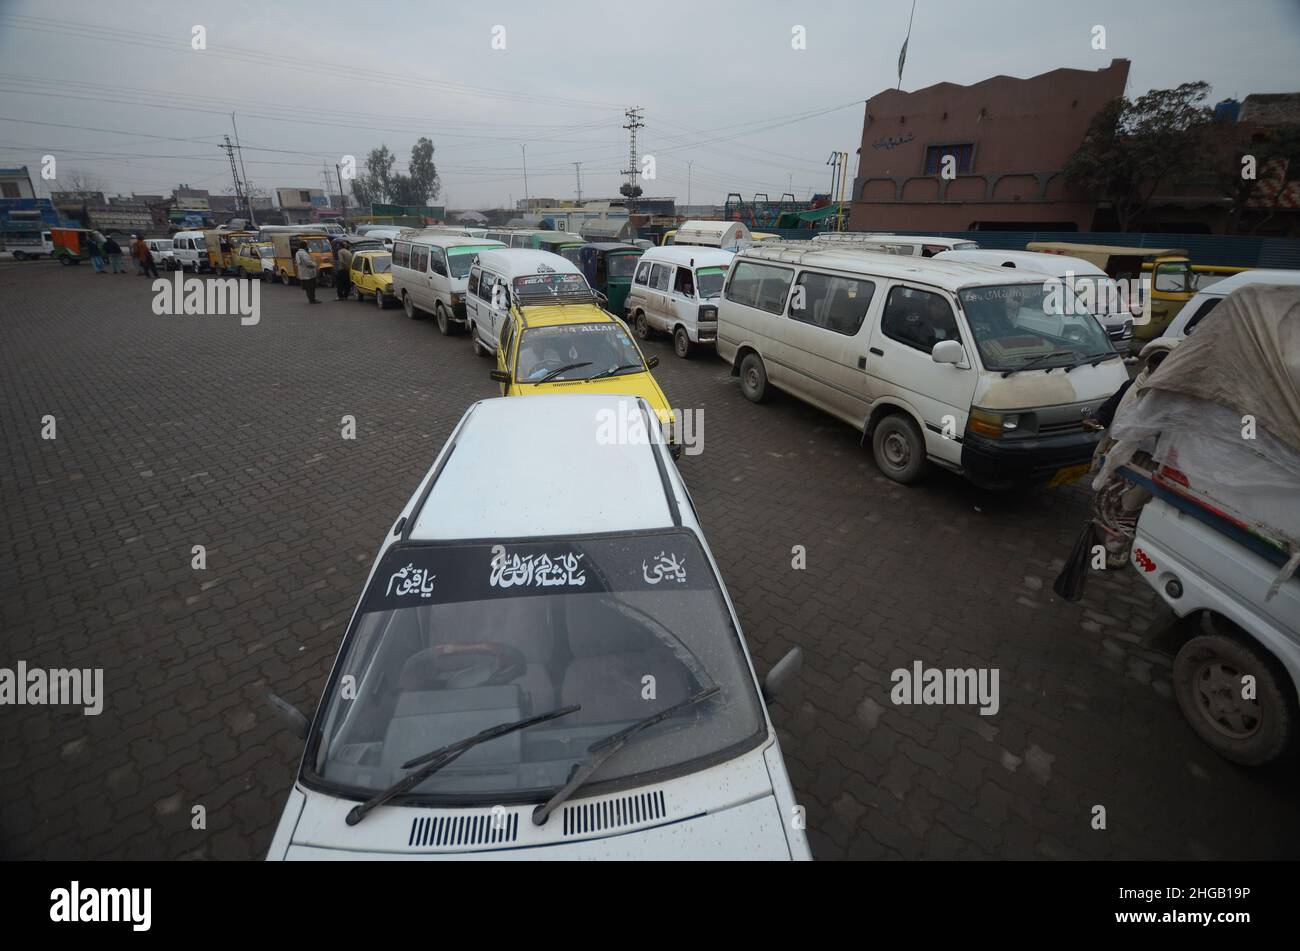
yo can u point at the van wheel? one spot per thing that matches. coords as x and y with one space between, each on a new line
408 305
899 449
1208 674
379 299
642 326
753 379
682 343
19 256
444 321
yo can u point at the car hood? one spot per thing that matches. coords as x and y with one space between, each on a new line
627 384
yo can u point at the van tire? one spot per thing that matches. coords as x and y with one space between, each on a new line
682 343
641 325
1206 671
408 305
444 320
753 379
899 449
20 256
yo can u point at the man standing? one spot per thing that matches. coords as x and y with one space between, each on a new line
144 258
343 271
134 249
114 252
306 266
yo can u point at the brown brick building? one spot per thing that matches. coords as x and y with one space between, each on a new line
1010 138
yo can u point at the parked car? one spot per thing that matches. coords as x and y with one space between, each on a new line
1203 303
934 361
255 259
558 681
372 276
1118 324
676 291
29 245
430 271
190 251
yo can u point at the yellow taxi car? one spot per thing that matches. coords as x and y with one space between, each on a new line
255 259
372 276
536 312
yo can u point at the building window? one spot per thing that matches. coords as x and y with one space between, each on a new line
964 154
9 189
304 197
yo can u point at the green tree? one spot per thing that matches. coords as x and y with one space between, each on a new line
420 185
1133 147
375 184
1230 155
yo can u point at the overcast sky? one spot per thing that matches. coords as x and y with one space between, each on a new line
124 97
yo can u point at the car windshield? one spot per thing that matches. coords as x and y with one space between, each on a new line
462 259
381 263
587 349
569 253
710 281
622 265
457 637
319 245
1014 324
1174 278
266 252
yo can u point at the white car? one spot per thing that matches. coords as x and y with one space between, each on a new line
1195 310
545 664
676 291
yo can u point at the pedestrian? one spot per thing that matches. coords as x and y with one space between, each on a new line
134 250
96 253
114 252
144 258
306 266
343 271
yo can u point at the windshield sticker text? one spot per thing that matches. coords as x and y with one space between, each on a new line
540 571
411 580
665 568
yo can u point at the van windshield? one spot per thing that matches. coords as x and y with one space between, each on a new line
1014 324
453 638
461 259
710 281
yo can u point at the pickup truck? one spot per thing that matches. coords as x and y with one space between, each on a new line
1237 677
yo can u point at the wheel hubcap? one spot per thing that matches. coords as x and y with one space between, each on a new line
1216 688
897 452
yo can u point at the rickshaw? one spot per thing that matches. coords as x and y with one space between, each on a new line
608 267
317 243
71 245
559 242
223 246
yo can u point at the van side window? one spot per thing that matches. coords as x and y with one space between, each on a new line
401 254
759 285
485 286
832 303
918 319
659 276
643 273
419 259
684 283
520 241
472 286
437 261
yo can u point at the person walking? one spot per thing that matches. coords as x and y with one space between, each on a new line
114 252
96 252
134 250
343 271
306 266
144 258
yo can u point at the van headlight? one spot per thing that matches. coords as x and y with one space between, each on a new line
990 424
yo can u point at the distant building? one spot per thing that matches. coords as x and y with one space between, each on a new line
16 183
1009 140
1270 109
301 205
23 216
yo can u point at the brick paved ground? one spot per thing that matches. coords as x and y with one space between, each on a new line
174 432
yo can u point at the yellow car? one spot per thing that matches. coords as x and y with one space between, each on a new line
372 276
550 335
255 259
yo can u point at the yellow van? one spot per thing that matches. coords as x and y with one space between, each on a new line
550 335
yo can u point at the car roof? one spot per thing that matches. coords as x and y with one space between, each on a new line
949 275
684 254
611 246
1039 262
516 262
1256 276
542 314
885 237
526 467
452 241
371 252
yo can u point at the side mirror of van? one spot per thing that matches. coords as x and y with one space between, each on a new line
501 376
293 717
785 672
948 351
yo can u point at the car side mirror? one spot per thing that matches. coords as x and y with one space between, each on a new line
948 351
292 717
785 672
651 363
501 376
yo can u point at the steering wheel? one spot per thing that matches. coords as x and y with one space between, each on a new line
462 666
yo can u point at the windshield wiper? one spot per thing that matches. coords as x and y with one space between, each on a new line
439 758
602 750
1037 360
554 373
1100 356
612 370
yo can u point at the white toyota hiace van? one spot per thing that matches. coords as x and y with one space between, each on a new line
971 367
675 290
429 275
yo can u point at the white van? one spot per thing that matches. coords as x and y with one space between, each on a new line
160 249
675 290
464 232
714 234
190 251
385 233
918 246
429 274
488 697
931 360
486 307
1119 326
1195 310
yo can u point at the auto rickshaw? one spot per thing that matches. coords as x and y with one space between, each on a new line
223 246
608 267
71 245
559 242
317 243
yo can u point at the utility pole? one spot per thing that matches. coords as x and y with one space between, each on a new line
524 149
631 190
240 197
577 166
343 199
252 218
688 183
